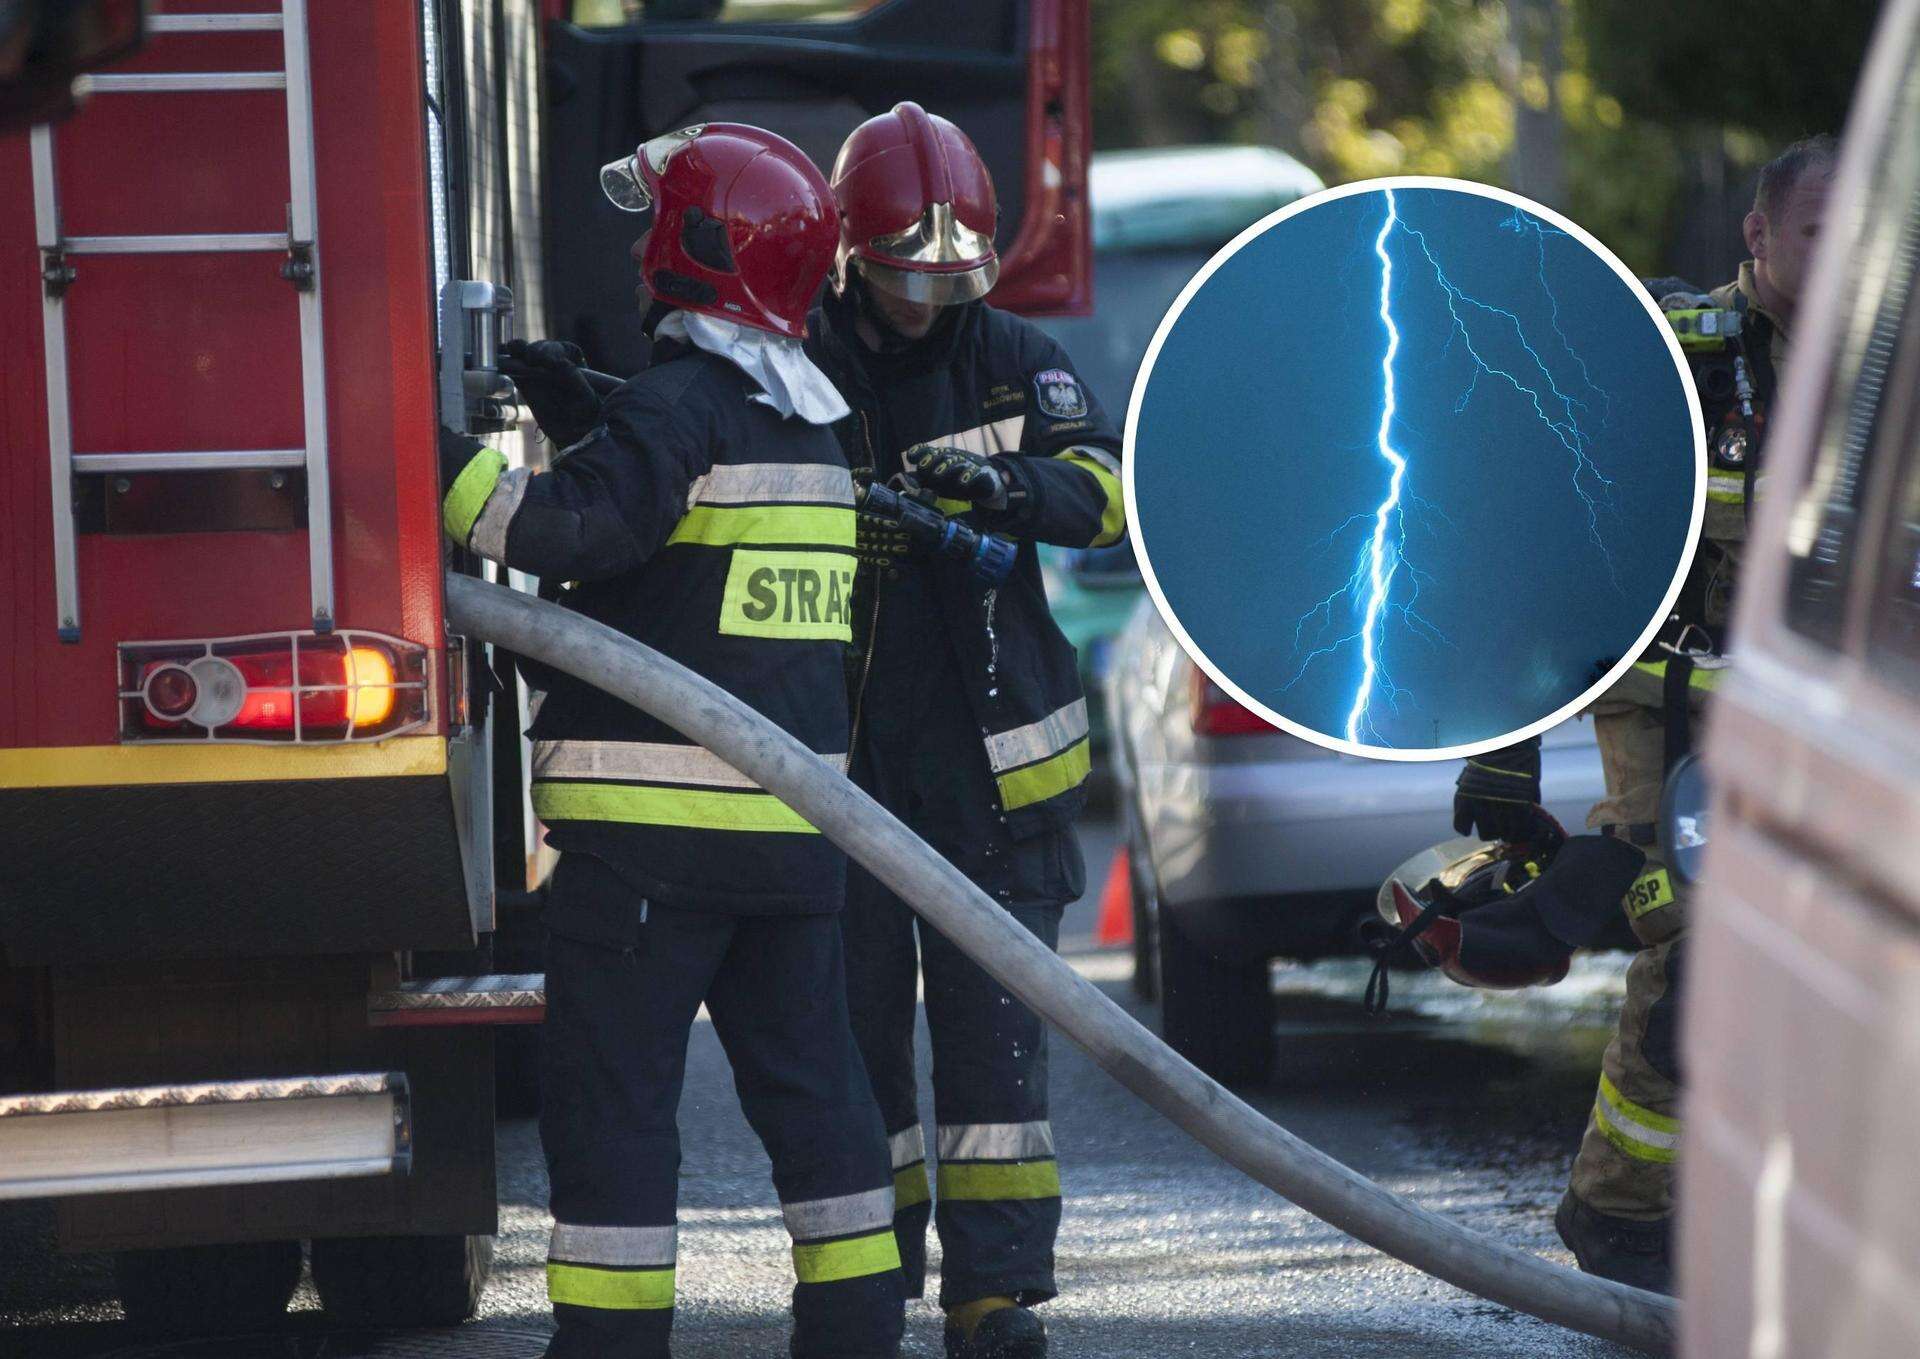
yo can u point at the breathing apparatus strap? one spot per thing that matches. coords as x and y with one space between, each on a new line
1756 346
1389 946
1673 704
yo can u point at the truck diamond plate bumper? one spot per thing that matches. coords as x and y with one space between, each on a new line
223 1132
519 998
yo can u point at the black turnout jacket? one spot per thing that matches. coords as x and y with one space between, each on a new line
995 384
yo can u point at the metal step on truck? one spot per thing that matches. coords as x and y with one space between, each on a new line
268 873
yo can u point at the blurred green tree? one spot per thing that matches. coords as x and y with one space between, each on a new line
1637 121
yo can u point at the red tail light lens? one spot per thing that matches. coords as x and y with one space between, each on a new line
299 687
1216 713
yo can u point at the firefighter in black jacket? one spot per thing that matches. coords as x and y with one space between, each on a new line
710 515
969 719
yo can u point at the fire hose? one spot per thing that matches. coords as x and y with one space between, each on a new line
946 899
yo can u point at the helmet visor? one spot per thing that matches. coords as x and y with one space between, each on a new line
925 286
621 182
624 181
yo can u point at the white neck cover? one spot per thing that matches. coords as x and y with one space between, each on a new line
787 378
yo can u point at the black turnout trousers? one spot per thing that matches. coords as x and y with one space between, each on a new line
995 1194
625 981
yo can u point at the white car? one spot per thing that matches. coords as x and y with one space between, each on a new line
1247 844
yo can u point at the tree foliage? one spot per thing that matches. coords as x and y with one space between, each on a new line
1780 68
1638 95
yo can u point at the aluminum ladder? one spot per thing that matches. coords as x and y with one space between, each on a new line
301 246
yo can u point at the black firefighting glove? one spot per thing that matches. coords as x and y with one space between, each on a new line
955 474
550 378
879 540
1497 793
1566 908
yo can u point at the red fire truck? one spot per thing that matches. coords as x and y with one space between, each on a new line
267 855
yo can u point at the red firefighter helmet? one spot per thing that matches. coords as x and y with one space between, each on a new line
916 209
744 226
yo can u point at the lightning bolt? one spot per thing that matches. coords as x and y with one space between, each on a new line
1382 557
1368 591
1556 410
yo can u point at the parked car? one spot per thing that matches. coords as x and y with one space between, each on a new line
1248 844
1158 216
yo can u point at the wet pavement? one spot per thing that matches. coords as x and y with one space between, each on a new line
1470 1103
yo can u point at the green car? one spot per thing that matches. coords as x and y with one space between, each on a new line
1158 215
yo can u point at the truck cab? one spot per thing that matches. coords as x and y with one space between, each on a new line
268 903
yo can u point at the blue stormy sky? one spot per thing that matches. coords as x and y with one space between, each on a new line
1257 442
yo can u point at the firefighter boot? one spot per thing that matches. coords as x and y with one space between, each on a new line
1627 1250
995 1328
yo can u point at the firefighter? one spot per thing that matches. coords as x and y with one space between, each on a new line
710 515
969 719
1617 1213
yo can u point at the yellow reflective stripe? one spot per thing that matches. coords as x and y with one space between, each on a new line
468 494
1638 1113
218 762
951 507
1702 677
1049 778
1730 489
698 809
1038 740
794 596
726 525
854 1258
622 1290
910 1187
1650 891
1634 1129
976 1181
1113 516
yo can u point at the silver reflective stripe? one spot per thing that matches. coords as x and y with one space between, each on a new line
1037 740
616 1247
996 1141
1099 455
908 1146
998 436
648 761
1623 1114
772 483
489 535
818 1219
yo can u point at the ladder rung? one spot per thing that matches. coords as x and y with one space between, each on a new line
221 243
210 461
181 82
213 23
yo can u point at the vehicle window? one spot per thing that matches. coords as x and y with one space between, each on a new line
1828 520
621 13
1893 641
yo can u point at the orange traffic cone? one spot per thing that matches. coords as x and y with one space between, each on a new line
1115 929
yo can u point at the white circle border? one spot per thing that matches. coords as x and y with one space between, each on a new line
1648 304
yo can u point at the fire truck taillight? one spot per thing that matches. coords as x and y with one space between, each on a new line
278 687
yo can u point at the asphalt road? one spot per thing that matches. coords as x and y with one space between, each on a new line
1471 1104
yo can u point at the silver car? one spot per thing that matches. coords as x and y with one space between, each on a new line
1247 844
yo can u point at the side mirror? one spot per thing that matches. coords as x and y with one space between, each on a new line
1683 826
